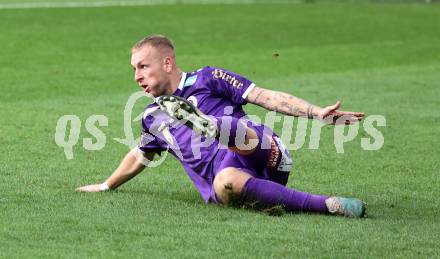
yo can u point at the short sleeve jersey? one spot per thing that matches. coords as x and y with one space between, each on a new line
216 92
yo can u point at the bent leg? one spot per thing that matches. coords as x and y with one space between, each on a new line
234 184
237 135
228 184
270 193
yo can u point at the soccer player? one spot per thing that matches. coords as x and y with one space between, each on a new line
198 117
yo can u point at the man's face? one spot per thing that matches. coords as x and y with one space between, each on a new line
150 70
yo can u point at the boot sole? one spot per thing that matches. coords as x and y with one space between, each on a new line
185 112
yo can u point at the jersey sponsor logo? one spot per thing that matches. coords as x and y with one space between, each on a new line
221 74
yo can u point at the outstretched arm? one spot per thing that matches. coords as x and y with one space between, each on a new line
294 106
130 166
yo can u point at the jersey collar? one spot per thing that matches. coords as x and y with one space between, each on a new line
182 81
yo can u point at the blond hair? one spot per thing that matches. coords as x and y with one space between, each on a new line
156 40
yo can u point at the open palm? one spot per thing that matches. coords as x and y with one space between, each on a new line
331 115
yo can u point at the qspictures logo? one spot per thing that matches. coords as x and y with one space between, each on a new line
68 128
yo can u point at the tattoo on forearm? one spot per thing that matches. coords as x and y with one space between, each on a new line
286 105
289 109
267 103
258 96
283 103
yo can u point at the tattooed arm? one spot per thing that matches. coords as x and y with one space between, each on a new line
294 106
281 102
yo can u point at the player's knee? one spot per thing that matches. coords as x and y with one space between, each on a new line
229 183
249 145
224 181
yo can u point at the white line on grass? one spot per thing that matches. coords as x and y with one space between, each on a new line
97 4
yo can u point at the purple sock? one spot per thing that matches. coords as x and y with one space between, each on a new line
271 194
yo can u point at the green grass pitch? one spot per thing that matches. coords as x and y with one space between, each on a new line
377 58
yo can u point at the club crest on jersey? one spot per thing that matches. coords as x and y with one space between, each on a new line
220 74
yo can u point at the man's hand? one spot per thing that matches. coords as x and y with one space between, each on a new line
331 115
90 188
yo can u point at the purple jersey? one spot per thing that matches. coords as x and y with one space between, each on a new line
216 92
